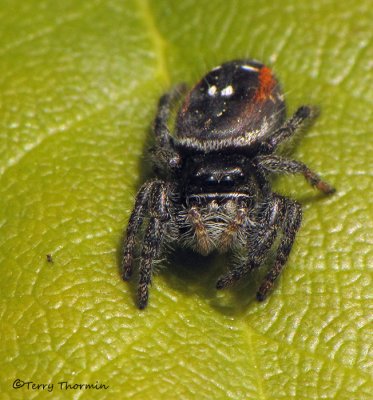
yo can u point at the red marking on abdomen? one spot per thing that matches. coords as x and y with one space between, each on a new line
266 84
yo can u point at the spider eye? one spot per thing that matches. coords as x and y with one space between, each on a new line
227 180
210 181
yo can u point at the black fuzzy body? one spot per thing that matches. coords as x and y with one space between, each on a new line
211 190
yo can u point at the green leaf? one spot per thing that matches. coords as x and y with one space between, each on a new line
79 83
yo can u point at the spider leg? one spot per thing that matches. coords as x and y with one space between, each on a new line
260 239
134 224
161 130
150 251
290 226
273 163
153 239
289 127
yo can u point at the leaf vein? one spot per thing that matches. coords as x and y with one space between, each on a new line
157 40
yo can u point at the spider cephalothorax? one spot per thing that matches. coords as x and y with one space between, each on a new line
211 190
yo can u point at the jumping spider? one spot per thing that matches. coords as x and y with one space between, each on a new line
211 190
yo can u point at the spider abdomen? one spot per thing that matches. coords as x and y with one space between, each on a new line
238 98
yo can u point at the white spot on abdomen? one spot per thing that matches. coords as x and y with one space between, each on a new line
212 90
249 68
227 91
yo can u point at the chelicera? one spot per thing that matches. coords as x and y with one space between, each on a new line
211 190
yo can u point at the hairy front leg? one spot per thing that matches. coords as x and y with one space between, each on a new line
153 239
260 238
150 252
134 224
290 226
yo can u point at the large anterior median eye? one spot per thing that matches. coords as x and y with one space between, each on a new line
210 181
205 180
227 180
224 181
